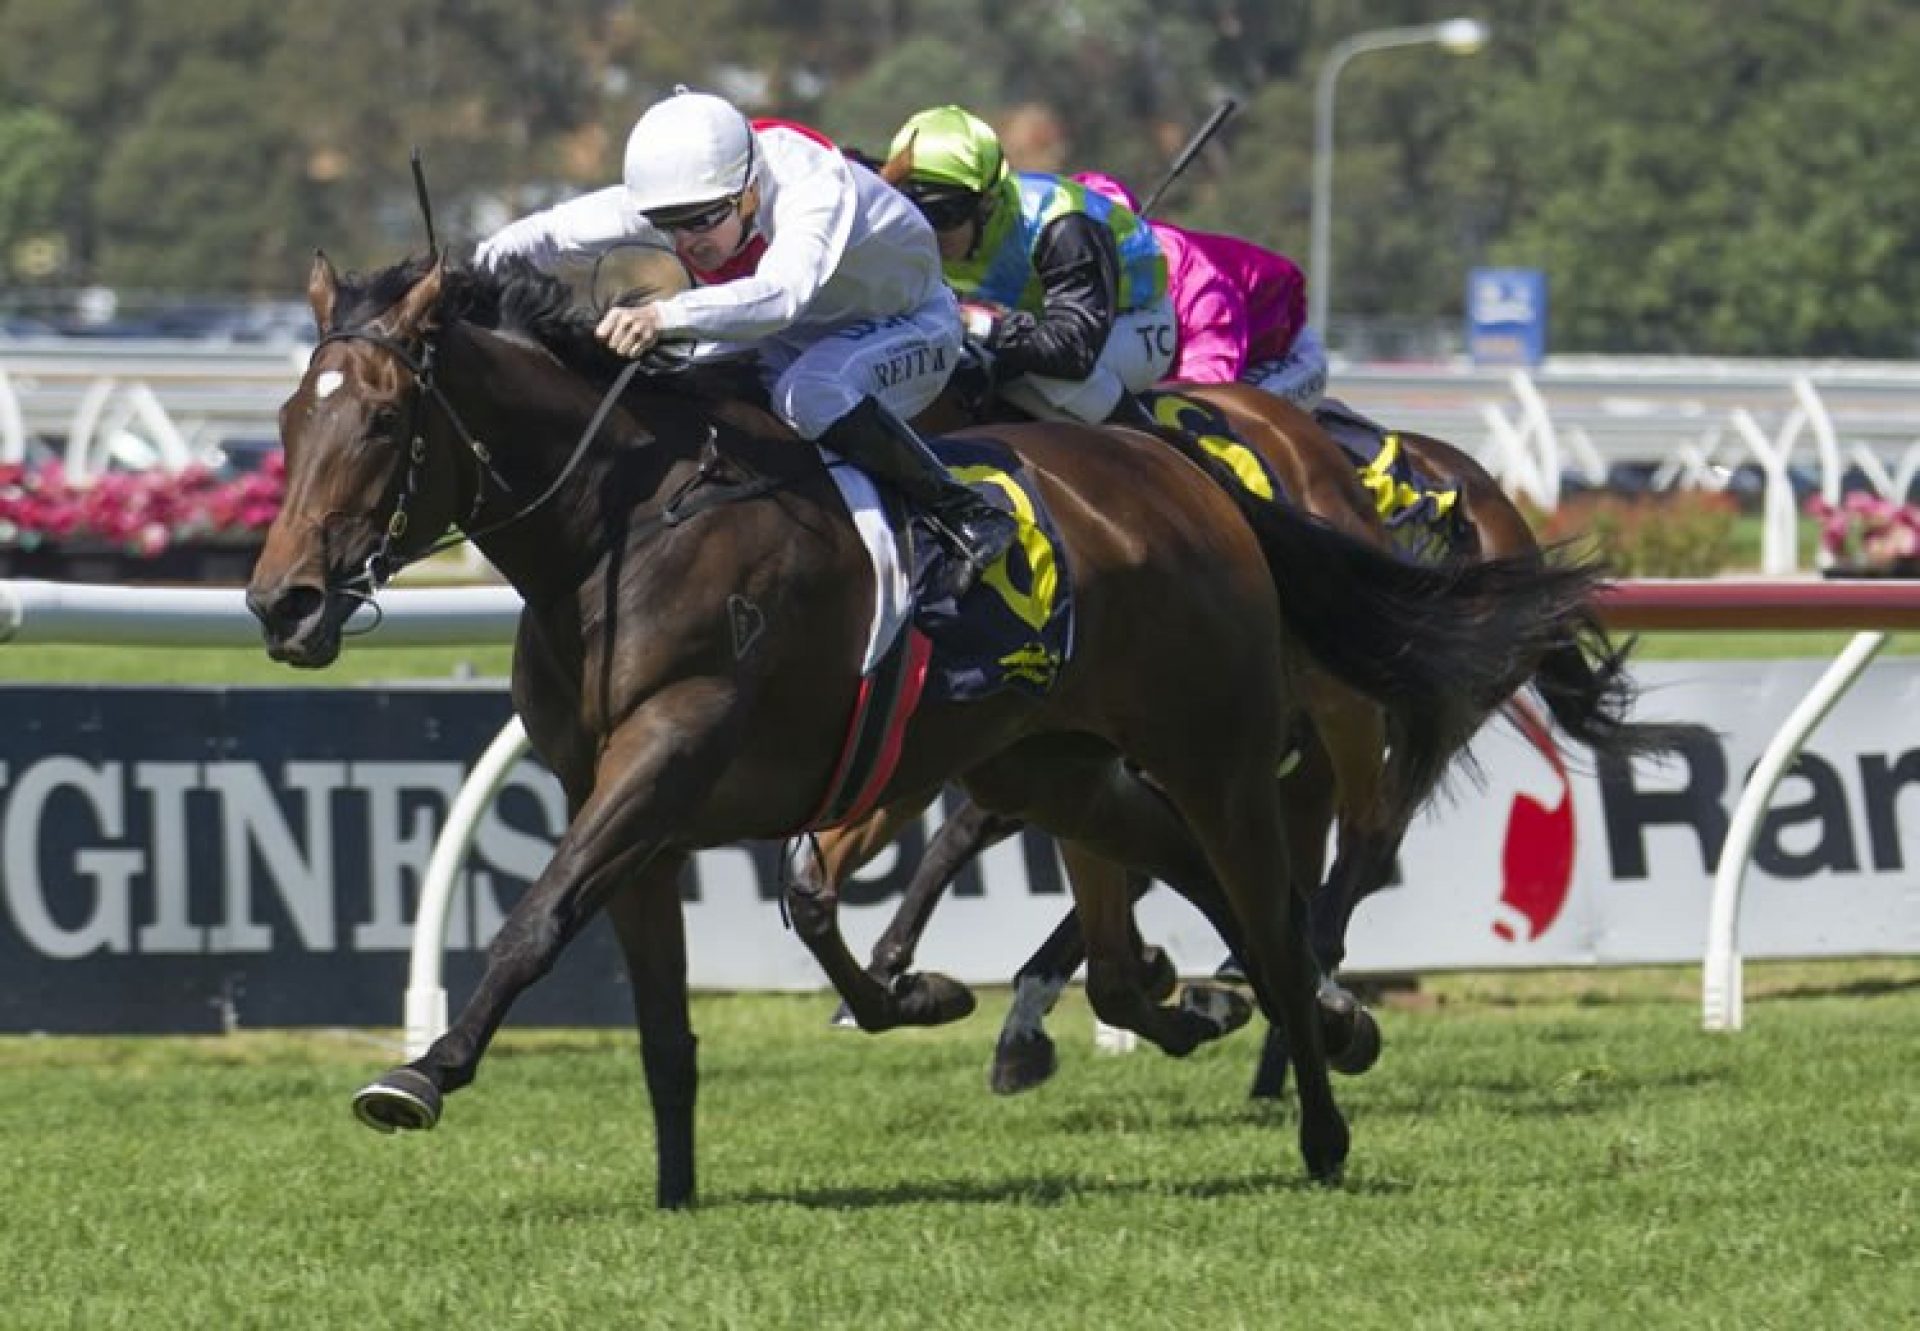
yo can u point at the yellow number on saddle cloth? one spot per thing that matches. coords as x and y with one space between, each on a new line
1205 426
1418 521
1034 606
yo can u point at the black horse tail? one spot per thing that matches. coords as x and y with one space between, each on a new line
1440 646
1583 680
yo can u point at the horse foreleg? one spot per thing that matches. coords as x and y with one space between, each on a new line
648 921
1025 1057
655 770
813 904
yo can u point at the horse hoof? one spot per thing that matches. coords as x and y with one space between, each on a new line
1362 1050
403 1099
1022 1063
1227 1010
931 999
842 1019
1325 1148
1160 978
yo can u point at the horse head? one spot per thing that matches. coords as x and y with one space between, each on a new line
365 492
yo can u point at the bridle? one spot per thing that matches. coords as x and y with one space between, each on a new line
386 559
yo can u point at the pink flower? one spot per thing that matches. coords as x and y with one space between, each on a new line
141 511
1867 530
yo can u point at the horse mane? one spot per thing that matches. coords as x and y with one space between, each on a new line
519 299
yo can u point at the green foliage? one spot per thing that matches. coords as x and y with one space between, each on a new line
1725 176
42 165
1683 534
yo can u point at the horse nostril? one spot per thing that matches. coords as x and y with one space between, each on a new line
287 610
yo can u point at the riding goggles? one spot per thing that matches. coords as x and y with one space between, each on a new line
697 220
945 208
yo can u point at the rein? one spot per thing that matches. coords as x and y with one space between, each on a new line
386 561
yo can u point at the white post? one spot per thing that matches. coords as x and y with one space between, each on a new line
1546 442
13 429
1720 983
426 1004
1779 530
1825 439
86 423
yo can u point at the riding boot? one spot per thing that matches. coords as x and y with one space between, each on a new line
886 448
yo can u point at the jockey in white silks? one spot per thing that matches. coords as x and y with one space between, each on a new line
825 273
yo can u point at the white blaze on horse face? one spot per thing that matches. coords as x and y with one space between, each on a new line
327 383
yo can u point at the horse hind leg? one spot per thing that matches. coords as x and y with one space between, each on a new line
1077 788
1117 990
1238 820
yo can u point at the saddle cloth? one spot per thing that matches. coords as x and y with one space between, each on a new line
1012 630
1422 518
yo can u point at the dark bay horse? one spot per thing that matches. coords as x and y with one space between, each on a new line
696 607
1347 771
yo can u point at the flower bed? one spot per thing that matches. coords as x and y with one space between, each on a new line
153 526
1866 536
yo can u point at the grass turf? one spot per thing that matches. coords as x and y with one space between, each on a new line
1534 1150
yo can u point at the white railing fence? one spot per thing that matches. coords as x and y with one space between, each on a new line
1691 422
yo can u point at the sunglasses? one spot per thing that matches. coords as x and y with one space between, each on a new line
698 221
946 211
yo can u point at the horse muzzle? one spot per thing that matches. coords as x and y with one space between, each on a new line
300 622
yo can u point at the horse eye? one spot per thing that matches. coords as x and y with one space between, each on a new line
385 421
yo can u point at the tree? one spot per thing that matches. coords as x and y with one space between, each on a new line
42 162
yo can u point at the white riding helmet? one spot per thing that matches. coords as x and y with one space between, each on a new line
690 149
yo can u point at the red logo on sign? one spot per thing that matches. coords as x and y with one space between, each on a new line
1536 860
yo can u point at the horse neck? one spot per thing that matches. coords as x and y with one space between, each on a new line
532 414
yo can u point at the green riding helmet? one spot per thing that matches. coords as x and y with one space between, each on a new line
954 148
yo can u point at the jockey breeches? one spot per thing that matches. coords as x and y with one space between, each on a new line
1138 354
1300 376
904 360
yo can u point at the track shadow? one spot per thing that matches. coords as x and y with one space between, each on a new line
1039 1193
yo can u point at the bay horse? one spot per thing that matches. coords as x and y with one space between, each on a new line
1348 776
696 605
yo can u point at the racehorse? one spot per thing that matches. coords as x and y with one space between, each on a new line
696 604
1341 766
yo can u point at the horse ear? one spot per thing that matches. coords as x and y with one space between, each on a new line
899 166
415 312
323 285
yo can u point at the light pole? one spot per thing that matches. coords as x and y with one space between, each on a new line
1461 36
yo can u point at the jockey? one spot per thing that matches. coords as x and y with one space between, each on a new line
1065 290
828 276
1242 310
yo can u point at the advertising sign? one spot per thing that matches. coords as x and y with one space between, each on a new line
192 860
1507 316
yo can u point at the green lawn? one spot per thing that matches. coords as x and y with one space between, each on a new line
368 665
1559 1151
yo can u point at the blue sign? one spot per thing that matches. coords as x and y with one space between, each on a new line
1507 316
